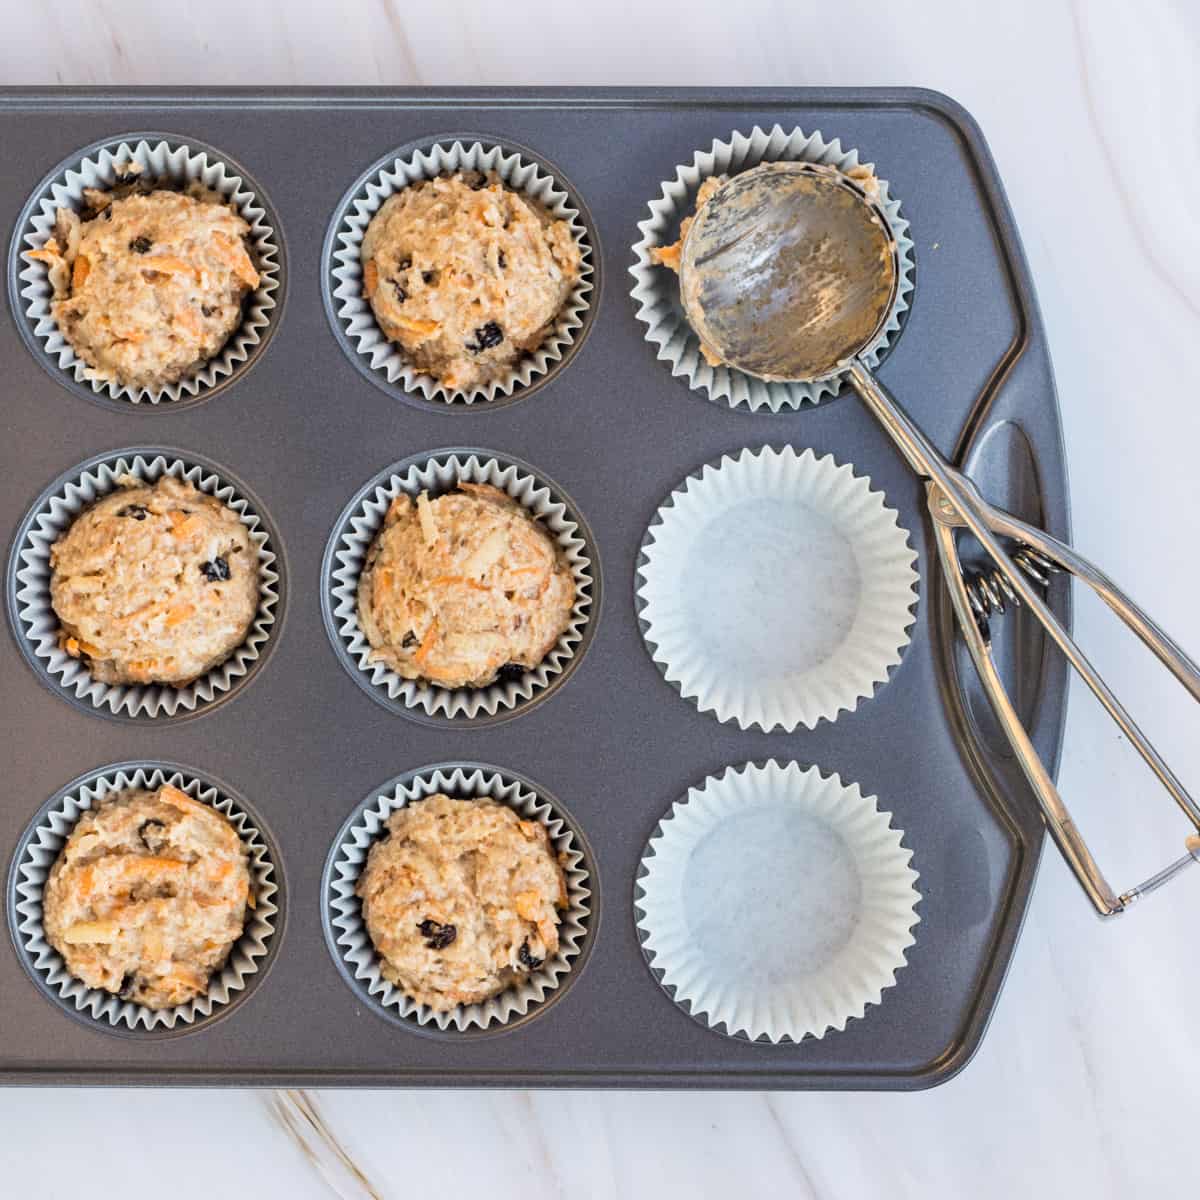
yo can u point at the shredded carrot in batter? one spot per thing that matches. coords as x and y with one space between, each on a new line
459 580
370 278
179 614
427 643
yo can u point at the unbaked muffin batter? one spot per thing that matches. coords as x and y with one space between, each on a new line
148 895
466 275
154 584
668 256
148 285
457 587
461 900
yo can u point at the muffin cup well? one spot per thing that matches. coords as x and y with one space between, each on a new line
350 313
776 589
656 288
36 624
775 903
436 472
37 852
351 946
162 158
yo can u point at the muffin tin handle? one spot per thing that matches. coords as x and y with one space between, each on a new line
955 503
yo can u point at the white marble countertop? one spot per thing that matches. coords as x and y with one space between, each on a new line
1087 1080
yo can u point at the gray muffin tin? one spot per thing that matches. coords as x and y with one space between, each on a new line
303 743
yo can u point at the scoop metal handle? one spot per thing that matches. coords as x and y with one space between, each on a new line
955 502
1062 827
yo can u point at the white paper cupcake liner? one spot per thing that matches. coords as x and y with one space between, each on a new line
776 589
775 903
656 288
351 945
39 849
97 167
37 626
351 314
436 472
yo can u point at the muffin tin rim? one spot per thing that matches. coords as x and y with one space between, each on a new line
13 566
14 267
577 964
503 714
329 246
280 899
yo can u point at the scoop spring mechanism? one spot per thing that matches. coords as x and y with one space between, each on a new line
990 592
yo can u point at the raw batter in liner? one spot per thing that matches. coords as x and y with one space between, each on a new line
148 895
154 584
461 900
458 587
466 275
148 284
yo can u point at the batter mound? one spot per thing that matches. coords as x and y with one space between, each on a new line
458 587
148 285
148 895
154 584
466 276
461 900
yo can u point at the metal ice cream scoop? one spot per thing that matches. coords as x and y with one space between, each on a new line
788 272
